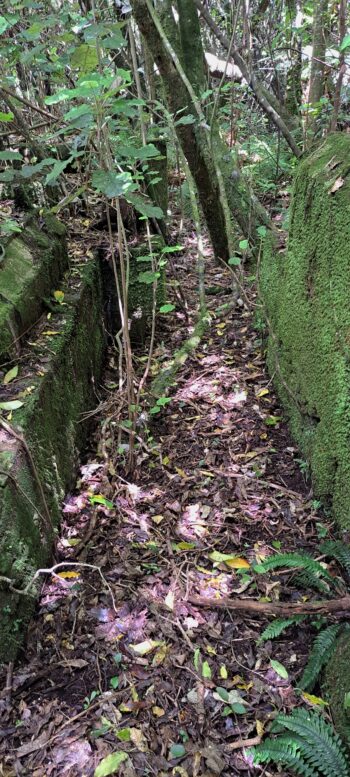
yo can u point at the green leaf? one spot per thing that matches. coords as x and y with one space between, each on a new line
163 401
4 24
206 671
154 410
123 734
6 116
186 120
10 375
238 708
144 206
77 111
261 231
111 184
345 43
279 669
148 276
14 404
244 245
84 58
168 308
57 169
110 764
7 156
101 500
196 658
235 260
172 249
114 682
177 751
222 693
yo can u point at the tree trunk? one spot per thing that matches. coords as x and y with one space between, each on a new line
193 138
317 71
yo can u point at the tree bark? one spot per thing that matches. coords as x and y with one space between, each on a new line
193 138
317 71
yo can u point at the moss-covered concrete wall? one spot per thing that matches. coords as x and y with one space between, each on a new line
62 374
306 291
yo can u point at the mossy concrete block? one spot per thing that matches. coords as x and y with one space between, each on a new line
336 683
306 290
32 265
50 421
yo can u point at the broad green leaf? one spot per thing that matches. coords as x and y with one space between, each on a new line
77 111
144 206
172 249
10 375
244 245
123 734
14 404
141 152
177 751
261 231
162 401
4 24
279 669
28 171
168 308
345 43
185 120
221 694
6 116
84 58
114 682
110 764
57 169
238 708
6 176
101 500
8 156
148 276
111 184
234 260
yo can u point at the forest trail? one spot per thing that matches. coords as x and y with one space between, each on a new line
172 687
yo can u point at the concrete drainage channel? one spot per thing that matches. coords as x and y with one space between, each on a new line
59 355
58 344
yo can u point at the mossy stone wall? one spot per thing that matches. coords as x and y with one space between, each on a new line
306 291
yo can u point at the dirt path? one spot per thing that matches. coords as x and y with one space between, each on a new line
217 474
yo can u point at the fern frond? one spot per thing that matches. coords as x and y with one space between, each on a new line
321 652
338 550
317 742
278 626
291 560
308 579
282 751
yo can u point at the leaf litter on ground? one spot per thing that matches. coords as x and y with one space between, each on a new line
152 684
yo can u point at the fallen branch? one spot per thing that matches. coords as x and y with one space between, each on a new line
274 608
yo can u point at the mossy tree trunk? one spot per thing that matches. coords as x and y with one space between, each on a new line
193 137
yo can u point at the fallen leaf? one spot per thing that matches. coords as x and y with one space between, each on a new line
10 375
110 764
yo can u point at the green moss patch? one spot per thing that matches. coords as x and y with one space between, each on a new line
67 364
306 291
32 265
337 684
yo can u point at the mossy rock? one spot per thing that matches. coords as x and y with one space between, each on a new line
306 291
68 365
336 683
33 263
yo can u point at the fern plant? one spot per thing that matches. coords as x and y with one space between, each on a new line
278 626
311 747
322 649
338 550
294 560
